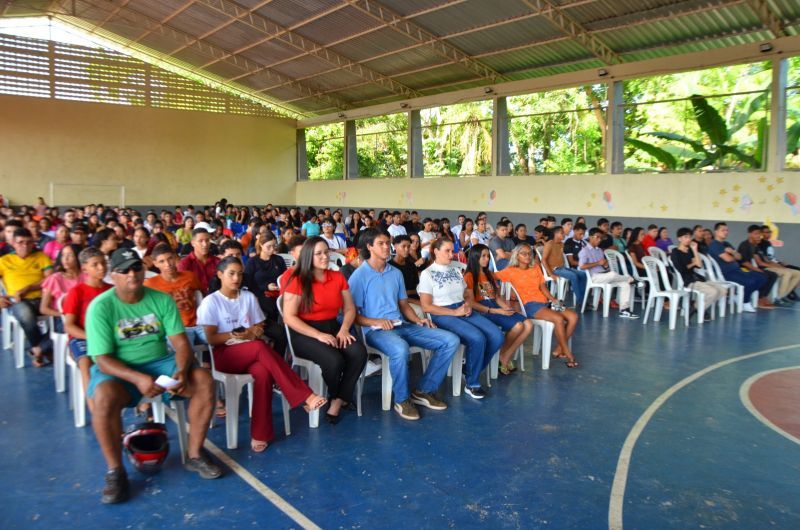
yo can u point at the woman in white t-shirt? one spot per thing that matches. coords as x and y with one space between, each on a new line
233 323
444 295
481 234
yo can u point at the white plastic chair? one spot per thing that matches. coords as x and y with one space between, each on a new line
288 259
642 282
18 340
60 346
314 374
386 375
77 394
557 287
232 385
542 332
700 298
337 259
677 299
616 263
735 290
658 254
159 416
596 289
5 322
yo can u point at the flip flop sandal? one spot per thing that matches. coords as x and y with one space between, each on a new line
258 446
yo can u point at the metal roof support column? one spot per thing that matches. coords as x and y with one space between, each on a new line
302 155
415 144
615 127
350 150
776 146
501 153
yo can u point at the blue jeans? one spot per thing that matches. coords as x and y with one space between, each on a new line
395 343
26 311
577 280
752 281
481 339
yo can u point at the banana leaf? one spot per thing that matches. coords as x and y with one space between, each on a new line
757 102
709 120
694 144
793 138
656 152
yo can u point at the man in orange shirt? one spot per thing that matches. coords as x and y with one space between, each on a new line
182 286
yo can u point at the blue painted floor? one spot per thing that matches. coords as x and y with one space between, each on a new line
540 452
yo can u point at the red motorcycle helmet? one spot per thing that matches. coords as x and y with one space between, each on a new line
147 446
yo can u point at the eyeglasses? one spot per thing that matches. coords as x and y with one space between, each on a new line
525 254
136 267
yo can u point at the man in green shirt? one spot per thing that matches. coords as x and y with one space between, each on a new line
126 329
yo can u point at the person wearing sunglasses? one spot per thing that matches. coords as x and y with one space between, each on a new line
127 328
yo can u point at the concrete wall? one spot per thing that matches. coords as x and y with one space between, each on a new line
161 156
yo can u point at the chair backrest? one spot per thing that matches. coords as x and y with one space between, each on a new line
671 248
677 275
288 259
509 290
492 264
713 272
337 258
615 261
634 270
658 253
655 269
566 261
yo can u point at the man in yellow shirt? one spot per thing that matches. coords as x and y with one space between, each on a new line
22 273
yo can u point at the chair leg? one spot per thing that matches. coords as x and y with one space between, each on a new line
456 368
607 290
287 423
180 419
673 312
317 386
547 344
158 411
386 384
232 415
647 309
59 361
19 345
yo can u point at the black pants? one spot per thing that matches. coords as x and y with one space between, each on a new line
277 334
767 287
341 368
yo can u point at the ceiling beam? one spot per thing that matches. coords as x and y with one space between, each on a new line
166 19
293 27
390 19
571 27
223 25
768 17
4 5
284 35
688 7
238 62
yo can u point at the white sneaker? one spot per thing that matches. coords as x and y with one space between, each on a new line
373 368
747 307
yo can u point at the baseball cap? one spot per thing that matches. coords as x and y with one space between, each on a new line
203 226
122 258
79 227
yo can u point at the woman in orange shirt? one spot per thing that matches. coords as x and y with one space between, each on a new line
526 276
487 301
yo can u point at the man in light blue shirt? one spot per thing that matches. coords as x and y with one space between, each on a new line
392 326
592 259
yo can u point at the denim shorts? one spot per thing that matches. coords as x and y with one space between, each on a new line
531 308
505 322
163 366
77 347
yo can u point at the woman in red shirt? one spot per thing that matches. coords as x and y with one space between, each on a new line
314 296
527 278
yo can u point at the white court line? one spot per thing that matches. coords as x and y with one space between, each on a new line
744 395
261 488
278 501
615 504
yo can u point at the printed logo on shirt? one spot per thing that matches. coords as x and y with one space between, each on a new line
133 328
442 278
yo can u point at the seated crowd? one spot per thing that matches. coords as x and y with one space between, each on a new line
136 293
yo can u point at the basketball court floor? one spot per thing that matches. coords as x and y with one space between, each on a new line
697 427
